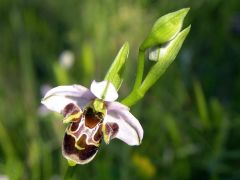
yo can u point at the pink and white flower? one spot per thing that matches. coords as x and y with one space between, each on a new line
92 115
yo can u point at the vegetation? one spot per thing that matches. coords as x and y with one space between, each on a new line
190 117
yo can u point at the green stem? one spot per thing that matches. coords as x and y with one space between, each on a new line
70 172
135 94
154 74
140 69
132 98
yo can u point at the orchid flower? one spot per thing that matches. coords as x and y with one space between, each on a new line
93 115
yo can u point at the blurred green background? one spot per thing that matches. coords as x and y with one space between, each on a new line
191 117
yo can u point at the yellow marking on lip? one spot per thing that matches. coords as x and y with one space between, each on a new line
81 148
71 117
96 144
106 136
78 147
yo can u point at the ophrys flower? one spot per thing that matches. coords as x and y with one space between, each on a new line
92 115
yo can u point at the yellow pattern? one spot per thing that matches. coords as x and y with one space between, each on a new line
71 117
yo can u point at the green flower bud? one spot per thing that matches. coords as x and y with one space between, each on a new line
164 56
165 28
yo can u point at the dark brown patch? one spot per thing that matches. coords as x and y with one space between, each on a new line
70 149
92 118
82 141
68 144
112 129
70 109
99 134
74 125
88 152
99 115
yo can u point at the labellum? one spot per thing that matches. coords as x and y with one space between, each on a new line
84 134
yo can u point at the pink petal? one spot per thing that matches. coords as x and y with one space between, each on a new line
129 129
57 98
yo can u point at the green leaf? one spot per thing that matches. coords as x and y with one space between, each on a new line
165 28
201 104
114 74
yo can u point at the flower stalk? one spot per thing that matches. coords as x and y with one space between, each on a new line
140 69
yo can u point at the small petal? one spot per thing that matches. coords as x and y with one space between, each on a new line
129 129
100 91
71 113
109 131
57 98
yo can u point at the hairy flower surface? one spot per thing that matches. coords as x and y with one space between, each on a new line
92 115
